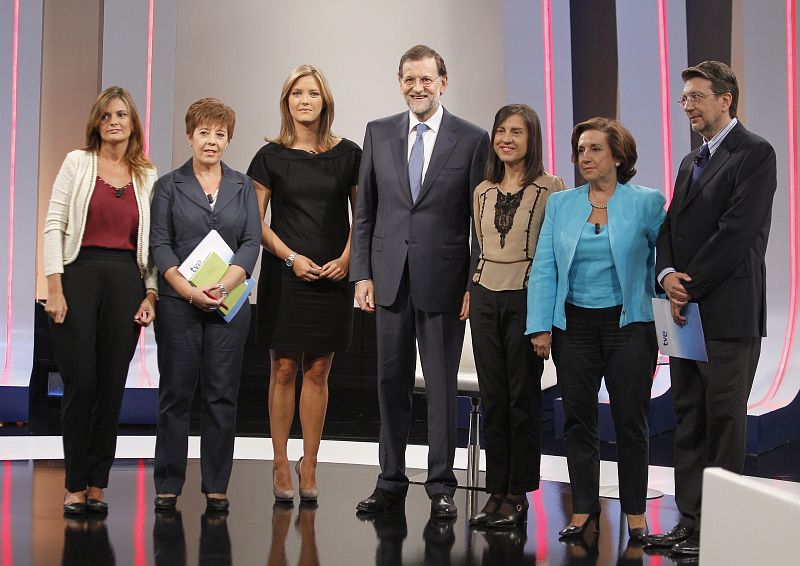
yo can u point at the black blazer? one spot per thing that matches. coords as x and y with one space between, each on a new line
432 234
717 233
181 217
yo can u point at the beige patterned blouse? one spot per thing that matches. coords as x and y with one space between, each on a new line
507 226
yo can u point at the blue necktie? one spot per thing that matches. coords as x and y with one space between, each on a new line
416 161
700 163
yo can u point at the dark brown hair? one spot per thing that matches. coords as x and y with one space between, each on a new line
620 141
495 170
419 52
134 154
722 80
210 112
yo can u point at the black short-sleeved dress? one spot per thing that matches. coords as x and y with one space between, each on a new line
310 215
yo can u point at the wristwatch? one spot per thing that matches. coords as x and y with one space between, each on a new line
222 291
290 259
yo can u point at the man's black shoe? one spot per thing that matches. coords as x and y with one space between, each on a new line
382 501
676 534
443 507
688 547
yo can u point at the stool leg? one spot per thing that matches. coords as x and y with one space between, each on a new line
474 447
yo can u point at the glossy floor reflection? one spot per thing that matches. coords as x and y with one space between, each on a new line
257 531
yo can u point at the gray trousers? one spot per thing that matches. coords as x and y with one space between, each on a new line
440 337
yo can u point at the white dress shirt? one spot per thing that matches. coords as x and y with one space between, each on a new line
428 138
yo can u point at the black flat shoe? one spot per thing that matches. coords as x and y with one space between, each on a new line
676 534
480 518
382 501
96 506
575 531
217 505
165 503
75 508
519 514
443 506
688 547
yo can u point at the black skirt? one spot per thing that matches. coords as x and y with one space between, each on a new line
299 316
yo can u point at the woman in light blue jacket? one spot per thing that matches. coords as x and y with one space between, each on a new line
591 286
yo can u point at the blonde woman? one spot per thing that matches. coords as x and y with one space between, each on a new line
101 287
305 301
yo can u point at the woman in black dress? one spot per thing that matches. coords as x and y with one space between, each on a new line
305 304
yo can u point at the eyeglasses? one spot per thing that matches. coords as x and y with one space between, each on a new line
424 81
695 97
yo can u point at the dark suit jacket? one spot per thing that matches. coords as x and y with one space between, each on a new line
432 235
181 217
717 233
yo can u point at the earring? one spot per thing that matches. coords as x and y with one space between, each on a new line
617 163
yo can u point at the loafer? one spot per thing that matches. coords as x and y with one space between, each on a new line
443 506
75 508
217 504
676 534
96 506
382 501
165 503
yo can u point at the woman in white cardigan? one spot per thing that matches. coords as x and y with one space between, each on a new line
101 286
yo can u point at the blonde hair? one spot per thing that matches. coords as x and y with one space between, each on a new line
134 154
288 135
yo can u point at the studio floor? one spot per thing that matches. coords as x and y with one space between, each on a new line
34 531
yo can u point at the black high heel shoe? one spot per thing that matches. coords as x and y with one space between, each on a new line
518 515
482 515
638 534
575 531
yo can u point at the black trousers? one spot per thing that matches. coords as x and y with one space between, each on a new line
193 344
93 348
509 375
710 404
440 336
594 346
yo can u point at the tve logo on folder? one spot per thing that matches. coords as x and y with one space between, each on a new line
677 341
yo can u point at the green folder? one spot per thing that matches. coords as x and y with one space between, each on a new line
210 273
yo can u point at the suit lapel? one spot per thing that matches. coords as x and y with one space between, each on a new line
445 142
399 149
190 187
229 187
717 162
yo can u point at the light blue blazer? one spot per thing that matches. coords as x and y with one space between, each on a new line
635 214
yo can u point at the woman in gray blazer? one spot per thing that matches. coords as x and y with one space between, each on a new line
202 195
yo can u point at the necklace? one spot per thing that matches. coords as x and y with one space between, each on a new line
597 206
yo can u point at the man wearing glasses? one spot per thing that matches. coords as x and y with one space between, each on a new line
711 251
410 260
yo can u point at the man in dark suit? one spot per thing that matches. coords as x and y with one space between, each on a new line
410 260
711 251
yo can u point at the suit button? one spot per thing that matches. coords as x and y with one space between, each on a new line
406 241
680 240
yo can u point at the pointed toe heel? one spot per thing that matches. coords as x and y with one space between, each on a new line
575 531
306 495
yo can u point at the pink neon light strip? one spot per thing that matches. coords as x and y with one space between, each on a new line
139 547
791 130
666 118
549 122
12 182
6 540
144 375
541 526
